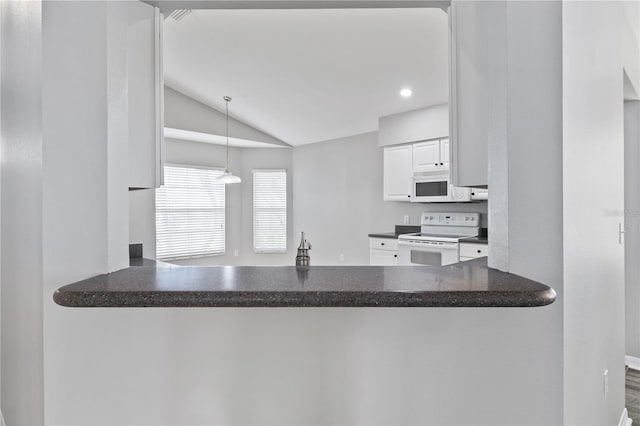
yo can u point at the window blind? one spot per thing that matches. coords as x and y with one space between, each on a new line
190 213
270 211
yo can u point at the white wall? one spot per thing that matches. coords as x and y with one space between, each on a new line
595 41
84 194
535 167
525 161
306 366
21 243
561 68
117 146
338 199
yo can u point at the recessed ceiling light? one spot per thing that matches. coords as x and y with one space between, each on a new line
406 92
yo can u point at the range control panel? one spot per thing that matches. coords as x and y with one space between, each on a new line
451 219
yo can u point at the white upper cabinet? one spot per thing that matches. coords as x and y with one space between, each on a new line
146 90
426 156
469 32
397 173
444 153
431 156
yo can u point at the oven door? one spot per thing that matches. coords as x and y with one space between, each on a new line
433 253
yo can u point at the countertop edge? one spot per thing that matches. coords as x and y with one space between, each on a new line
317 299
388 235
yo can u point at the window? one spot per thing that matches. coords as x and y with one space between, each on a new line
270 211
190 213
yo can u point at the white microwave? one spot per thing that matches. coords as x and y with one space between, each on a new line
437 189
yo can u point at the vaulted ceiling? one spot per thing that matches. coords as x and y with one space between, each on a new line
310 75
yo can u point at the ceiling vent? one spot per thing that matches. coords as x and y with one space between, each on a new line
178 14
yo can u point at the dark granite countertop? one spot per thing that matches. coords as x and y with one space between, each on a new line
391 235
400 229
466 284
475 240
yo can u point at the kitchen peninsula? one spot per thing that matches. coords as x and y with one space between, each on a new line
465 284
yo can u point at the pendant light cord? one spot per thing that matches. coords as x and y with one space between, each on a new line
227 177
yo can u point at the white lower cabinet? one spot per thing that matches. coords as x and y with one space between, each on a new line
383 251
470 251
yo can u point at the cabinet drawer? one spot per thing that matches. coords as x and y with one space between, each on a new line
473 250
383 243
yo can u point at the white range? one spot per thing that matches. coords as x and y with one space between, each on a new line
438 241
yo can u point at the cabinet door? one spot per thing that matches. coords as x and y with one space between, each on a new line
426 156
470 28
383 257
144 73
397 173
444 153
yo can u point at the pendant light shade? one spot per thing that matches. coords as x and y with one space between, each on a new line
227 176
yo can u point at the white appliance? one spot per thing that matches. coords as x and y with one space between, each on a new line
438 241
479 194
435 188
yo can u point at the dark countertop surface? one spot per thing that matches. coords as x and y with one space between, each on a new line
475 240
392 235
400 229
465 284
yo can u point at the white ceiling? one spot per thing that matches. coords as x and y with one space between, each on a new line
190 135
306 76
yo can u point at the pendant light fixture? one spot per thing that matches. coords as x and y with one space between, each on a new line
227 177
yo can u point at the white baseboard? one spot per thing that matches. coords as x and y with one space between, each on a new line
632 362
624 418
